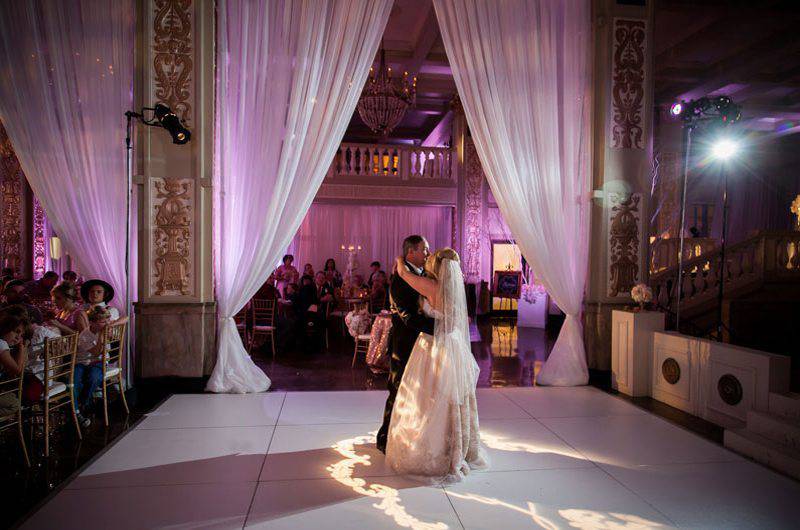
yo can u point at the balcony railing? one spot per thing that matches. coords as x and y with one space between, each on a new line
403 162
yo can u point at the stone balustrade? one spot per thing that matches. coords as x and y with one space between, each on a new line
401 162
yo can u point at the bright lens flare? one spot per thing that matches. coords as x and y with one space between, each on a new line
724 149
676 109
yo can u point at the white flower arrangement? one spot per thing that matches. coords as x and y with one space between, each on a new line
641 294
531 290
357 322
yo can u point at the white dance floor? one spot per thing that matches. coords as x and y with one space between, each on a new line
561 458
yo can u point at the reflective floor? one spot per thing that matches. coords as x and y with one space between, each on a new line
560 458
507 356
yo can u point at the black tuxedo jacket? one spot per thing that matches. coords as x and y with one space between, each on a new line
408 320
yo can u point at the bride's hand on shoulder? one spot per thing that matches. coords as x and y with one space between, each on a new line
399 265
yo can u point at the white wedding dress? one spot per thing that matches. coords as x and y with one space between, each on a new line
434 434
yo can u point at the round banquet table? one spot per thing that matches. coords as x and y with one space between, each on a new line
378 352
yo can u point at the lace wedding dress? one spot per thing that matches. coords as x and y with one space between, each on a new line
434 433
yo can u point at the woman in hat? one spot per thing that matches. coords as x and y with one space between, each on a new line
98 293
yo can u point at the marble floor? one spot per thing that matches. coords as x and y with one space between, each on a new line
561 458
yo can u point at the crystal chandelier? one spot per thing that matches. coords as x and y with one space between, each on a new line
383 102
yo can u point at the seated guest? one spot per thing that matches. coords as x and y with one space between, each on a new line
379 293
13 355
40 289
324 292
268 291
14 293
333 276
308 270
306 296
287 318
89 361
358 282
70 317
97 293
286 273
71 276
374 269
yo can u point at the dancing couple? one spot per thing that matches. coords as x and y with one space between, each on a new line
430 425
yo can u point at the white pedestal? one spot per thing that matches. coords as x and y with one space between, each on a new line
533 315
632 350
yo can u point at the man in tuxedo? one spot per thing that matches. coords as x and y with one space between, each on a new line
408 322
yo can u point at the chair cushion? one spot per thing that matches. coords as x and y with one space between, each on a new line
56 387
263 328
366 336
111 371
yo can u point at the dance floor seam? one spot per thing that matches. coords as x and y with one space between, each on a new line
606 465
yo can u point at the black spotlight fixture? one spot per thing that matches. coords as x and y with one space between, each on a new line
170 121
719 108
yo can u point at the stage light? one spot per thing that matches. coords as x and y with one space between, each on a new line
724 149
676 109
169 121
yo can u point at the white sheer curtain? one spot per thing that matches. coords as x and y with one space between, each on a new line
289 75
66 78
379 230
522 71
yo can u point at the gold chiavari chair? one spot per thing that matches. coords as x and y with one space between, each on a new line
362 341
13 387
264 321
242 320
59 377
113 336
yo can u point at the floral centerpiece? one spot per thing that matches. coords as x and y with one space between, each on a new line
641 294
357 322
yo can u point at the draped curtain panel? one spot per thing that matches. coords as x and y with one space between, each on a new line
289 74
522 70
66 79
379 230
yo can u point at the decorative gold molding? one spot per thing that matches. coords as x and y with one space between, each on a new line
11 178
172 236
473 218
172 57
623 243
628 73
394 193
39 242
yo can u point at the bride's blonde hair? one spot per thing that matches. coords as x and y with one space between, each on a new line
434 261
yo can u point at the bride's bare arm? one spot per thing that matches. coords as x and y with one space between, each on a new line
424 286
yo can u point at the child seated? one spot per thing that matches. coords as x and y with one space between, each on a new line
89 361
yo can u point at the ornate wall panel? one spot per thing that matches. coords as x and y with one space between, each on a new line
624 229
39 240
12 251
628 73
473 212
172 55
172 241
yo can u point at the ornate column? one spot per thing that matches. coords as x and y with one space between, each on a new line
622 153
175 312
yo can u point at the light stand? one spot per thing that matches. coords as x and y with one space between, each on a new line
721 278
687 146
162 117
722 111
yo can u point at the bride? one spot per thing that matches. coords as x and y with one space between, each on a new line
434 434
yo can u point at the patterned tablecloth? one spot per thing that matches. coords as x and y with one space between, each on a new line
378 353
